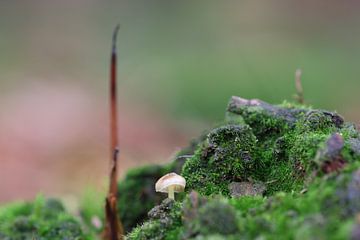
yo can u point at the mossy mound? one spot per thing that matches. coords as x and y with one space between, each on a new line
40 219
280 146
269 172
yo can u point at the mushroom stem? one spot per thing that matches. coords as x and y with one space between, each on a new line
171 192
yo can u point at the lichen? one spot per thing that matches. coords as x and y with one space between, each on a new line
40 219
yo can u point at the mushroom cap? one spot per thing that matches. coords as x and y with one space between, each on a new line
168 180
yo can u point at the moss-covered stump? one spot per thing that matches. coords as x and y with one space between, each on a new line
269 172
41 219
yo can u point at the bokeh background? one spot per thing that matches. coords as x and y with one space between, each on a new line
179 63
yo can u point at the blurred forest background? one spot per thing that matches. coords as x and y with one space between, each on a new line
179 63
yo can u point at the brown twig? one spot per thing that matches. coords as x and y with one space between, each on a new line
113 227
299 89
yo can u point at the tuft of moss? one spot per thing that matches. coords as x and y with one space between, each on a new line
164 223
203 216
40 219
225 156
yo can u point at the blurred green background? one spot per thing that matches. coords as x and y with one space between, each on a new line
179 63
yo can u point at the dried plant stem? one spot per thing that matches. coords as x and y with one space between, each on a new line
113 227
299 88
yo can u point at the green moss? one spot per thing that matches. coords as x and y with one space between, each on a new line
224 157
209 217
285 140
41 219
136 192
317 214
306 158
261 121
315 121
215 237
320 213
164 223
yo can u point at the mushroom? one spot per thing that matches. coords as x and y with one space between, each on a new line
170 183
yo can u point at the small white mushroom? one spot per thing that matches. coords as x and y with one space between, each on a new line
170 183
